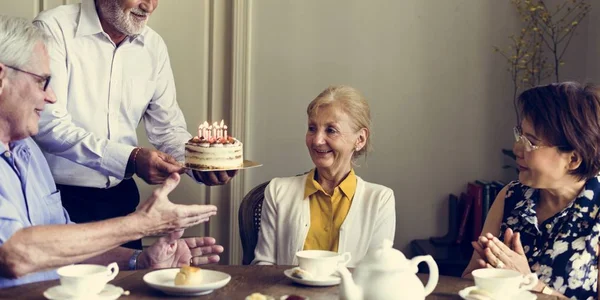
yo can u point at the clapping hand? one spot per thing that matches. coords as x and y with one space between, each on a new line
159 215
172 251
503 255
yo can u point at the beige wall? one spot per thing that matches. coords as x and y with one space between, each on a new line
592 63
440 97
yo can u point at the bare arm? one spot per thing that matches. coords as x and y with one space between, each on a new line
492 225
40 248
43 247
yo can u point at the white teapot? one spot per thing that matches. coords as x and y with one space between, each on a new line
384 274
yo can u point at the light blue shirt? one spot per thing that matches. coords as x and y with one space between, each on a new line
28 197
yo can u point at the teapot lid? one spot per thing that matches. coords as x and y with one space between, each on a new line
385 258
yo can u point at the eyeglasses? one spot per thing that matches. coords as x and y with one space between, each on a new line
44 81
519 137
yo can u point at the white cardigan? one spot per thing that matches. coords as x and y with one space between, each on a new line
285 221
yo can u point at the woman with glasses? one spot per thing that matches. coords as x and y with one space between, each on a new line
548 222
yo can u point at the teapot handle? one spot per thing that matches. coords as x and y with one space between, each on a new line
433 271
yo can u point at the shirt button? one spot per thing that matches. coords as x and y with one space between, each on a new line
7 154
548 226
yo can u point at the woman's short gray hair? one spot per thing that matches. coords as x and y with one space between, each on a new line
18 37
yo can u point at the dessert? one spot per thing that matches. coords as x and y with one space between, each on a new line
258 296
189 275
212 148
301 274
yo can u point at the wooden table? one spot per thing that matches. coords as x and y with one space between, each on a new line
245 280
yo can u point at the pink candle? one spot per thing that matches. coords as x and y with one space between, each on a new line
225 131
200 131
210 130
214 130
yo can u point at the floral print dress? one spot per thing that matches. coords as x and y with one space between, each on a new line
563 250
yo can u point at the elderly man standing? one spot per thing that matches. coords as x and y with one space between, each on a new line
109 72
36 234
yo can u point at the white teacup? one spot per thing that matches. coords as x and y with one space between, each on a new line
321 263
86 279
503 282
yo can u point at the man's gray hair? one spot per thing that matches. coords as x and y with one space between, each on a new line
18 37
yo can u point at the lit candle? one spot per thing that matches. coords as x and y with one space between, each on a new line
222 128
209 132
225 132
214 132
200 131
205 130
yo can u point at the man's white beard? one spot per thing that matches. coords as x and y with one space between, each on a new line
123 22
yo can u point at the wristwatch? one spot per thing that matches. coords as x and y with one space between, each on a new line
132 264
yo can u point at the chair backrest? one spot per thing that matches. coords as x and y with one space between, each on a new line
249 220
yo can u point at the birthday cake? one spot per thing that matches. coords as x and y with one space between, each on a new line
212 148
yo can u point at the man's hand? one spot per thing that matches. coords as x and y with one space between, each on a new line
214 177
154 166
171 251
158 215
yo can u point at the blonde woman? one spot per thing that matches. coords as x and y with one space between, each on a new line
329 208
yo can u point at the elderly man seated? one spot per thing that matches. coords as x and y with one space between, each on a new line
36 234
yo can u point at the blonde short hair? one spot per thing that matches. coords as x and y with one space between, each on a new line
353 103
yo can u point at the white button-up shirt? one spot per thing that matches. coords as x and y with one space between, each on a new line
103 91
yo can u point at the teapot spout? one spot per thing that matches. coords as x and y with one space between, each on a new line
348 289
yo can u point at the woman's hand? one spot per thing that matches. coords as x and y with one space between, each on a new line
481 244
500 255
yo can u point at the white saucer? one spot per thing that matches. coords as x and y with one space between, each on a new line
110 292
325 281
163 280
523 295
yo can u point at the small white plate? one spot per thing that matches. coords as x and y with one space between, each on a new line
110 292
523 295
325 281
247 165
163 280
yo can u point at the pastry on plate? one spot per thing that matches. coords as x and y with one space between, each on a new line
258 296
301 274
189 275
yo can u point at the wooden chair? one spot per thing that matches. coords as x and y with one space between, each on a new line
249 220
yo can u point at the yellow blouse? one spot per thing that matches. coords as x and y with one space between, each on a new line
327 212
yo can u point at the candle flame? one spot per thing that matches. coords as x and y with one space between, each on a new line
221 123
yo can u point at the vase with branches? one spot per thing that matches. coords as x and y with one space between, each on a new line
537 51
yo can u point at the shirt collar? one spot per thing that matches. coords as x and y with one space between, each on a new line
347 186
16 145
89 22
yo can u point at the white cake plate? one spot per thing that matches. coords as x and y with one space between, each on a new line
246 165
